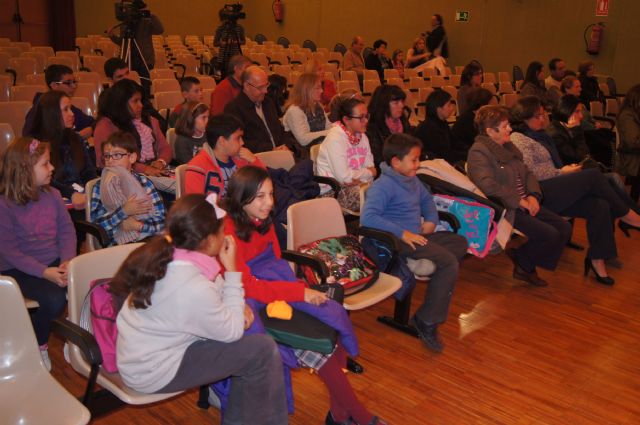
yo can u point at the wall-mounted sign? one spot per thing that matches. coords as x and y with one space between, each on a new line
602 7
462 16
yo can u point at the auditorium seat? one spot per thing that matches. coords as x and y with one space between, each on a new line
14 113
25 93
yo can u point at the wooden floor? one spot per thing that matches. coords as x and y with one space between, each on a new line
515 354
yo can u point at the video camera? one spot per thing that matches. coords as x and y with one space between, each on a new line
131 12
232 12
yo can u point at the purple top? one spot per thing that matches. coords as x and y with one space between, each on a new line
34 235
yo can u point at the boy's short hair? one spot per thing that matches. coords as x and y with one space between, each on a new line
398 145
379 43
187 82
222 125
123 140
54 73
112 65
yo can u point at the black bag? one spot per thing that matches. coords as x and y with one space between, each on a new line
303 331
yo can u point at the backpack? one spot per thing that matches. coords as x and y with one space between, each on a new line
346 261
98 316
476 222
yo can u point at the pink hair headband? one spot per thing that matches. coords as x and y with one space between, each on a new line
33 146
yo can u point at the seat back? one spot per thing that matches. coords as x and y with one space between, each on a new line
165 84
181 171
14 113
171 139
23 66
277 159
314 219
25 93
167 99
6 136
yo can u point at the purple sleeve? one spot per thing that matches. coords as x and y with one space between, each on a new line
66 230
10 248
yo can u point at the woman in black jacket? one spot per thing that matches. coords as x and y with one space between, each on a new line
434 131
387 116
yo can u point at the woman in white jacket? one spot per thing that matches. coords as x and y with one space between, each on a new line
345 153
182 324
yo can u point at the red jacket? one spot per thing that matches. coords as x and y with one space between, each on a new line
203 173
264 291
224 93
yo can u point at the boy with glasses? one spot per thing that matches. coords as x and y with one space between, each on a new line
124 203
61 78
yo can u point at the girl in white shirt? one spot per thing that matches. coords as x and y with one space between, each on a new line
182 324
345 153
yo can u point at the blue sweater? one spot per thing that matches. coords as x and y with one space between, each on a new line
396 203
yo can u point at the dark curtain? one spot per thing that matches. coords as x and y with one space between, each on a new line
62 21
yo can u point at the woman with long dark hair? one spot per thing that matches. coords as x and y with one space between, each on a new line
53 123
471 78
387 116
434 131
534 83
122 110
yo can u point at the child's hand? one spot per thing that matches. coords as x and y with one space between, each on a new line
281 148
248 316
412 239
135 206
314 297
571 168
246 154
227 254
131 224
55 275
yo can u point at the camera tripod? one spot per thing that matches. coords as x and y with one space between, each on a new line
125 54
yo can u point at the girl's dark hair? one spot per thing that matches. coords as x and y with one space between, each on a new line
116 107
346 107
471 69
190 221
437 99
531 76
223 125
583 67
478 97
242 190
525 108
379 107
48 126
565 108
438 18
186 120
398 145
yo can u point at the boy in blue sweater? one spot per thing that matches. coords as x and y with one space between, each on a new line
397 202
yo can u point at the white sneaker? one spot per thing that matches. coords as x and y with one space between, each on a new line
213 399
65 352
45 359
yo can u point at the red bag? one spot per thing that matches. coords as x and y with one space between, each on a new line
98 316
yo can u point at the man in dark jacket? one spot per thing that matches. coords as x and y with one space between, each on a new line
263 130
377 59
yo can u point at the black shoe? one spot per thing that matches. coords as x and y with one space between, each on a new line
428 334
354 366
330 421
605 280
625 227
531 278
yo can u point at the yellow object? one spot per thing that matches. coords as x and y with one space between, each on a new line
279 310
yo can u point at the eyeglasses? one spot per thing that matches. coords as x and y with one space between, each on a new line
115 156
259 88
362 118
68 82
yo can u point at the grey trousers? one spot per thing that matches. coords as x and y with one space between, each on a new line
445 249
253 362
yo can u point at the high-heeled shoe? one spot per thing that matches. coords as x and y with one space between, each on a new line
605 280
625 227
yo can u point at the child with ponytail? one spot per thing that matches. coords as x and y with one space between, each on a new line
182 323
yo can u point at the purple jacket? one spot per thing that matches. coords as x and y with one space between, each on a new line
34 235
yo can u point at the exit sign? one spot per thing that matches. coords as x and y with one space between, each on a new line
462 16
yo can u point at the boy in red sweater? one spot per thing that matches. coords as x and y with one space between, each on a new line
221 155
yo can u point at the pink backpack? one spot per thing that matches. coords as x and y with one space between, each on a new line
98 316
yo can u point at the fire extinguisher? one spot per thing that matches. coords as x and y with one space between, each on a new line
593 44
276 7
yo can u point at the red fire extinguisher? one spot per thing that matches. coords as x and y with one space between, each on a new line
276 7
593 44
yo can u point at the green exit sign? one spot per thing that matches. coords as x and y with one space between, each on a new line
462 16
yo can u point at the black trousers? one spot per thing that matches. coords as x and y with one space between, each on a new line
445 249
547 234
51 297
587 194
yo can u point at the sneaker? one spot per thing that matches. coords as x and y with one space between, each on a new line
428 334
45 358
213 399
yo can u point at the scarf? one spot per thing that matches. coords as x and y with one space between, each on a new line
208 266
354 138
